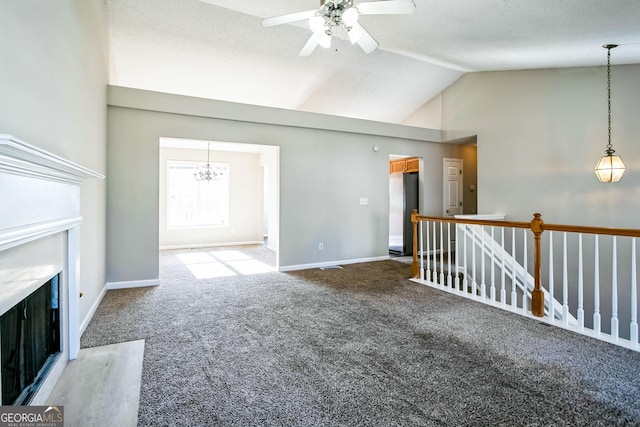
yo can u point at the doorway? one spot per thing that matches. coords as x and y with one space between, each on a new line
452 171
250 199
403 199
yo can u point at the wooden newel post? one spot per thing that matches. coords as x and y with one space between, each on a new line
537 296
415 267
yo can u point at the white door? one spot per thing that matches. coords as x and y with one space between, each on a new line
452 191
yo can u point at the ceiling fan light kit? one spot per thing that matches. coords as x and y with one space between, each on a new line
341 16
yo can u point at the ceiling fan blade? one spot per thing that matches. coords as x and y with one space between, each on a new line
365 41
311 45
285 19
389 7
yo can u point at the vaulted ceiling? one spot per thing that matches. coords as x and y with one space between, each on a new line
218 49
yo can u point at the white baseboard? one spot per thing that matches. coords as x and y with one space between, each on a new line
92 310
133 284
210 245
330 263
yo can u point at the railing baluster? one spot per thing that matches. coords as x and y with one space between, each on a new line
552 315
449 281
428 255
474 285
514 294
456 280
415 265
421 252
441 256
565 282
580 285
614 292
465 280
493 273
483 285
596 289
435 257
633 327
503 290
525 281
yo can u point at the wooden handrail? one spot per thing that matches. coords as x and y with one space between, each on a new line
537 227
488 222
627 232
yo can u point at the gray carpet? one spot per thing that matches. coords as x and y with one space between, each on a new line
358 346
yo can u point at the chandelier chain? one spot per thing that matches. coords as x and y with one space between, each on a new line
609 146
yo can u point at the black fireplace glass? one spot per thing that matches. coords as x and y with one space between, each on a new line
30 339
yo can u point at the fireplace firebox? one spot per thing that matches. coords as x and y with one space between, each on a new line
30 342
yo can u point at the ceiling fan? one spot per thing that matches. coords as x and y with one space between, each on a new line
335 16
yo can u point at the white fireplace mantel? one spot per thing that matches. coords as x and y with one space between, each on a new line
37 192
18 157
39 234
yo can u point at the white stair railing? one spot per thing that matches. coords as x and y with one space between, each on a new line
586 270
509 268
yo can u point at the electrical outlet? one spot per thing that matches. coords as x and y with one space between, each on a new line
321 247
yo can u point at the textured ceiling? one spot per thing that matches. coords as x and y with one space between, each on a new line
218 49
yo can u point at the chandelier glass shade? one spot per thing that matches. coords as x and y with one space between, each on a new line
610 167
206 173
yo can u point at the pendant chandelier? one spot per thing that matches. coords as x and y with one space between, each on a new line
610 167
206 173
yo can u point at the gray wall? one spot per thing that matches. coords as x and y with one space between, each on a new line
53 90
540 134
326 165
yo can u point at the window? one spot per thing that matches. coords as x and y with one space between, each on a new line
192 203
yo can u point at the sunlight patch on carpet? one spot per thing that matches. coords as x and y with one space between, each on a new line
230 255
224 263
209 270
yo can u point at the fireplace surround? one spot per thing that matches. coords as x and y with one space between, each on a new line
39 239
